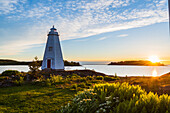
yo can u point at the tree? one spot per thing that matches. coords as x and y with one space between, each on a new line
34 67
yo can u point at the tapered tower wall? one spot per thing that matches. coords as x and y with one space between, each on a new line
53 58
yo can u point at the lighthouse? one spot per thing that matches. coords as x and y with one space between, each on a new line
53 58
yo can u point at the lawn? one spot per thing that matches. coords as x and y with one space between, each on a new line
31 98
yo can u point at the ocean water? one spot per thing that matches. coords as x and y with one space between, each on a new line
108 69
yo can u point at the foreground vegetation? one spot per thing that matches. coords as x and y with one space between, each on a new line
33 98
117 98
159 85
45 92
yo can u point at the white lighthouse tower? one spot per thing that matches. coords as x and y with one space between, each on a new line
53 58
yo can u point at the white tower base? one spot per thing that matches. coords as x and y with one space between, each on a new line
53 58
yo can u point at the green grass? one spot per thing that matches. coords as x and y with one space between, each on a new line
31 98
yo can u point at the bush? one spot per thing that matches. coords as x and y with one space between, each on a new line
19 82
99 78
117 98
10 73
74 86
55 79
82 79
74 77
48 82
88 84
84 102
107 78
89 78
82 85
95 81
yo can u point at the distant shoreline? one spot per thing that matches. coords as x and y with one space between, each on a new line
14 62
137 63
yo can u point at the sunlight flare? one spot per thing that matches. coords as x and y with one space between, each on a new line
154 73
154 59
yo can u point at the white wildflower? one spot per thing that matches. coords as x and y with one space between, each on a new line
108 102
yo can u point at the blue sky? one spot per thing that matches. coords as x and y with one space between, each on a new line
90 30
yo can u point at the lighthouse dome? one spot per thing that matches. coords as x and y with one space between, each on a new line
53 31
53 28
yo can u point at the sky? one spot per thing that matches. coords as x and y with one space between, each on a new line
90 30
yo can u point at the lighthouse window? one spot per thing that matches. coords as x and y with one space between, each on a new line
50 48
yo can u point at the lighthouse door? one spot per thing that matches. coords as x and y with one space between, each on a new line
49 63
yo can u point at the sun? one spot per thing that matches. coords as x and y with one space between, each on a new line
154 59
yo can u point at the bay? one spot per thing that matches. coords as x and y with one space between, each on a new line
107 69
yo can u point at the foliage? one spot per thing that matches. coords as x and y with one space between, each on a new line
84 102
82 85
14 62
20 81
74 86
55 79
108 78
10 73
138 63
99 78
117 98
66 63
52 80
82 79
48 82
155 84
32 98
34 67
89 78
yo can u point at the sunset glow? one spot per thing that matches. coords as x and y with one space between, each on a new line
154 73
154 59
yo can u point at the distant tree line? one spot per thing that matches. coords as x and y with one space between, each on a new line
14 62
139 62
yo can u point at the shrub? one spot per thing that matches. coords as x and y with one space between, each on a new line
55 79
75 75
117 98
82 85
82 79
19 82
84 102
89 84
95 81
99 78
34 65
48 82
89 78
34 68
107 78
74 86
10 73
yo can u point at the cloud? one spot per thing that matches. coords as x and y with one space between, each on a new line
102 38
10 6
81 18
81 40
123 35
